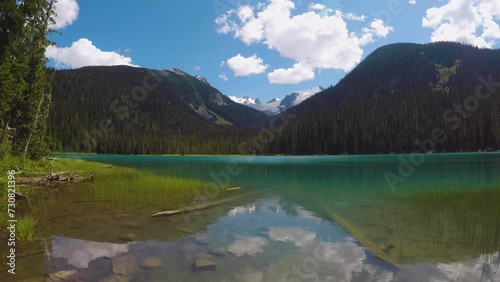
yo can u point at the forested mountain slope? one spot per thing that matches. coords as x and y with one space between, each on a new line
399 95
133 110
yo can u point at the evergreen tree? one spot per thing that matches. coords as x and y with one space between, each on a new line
25 83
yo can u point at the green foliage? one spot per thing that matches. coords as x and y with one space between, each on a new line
26 228
24 165
25 81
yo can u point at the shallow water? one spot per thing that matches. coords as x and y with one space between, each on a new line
313 219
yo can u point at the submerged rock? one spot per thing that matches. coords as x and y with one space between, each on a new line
103 266
64 275
204 264
151 262
218 251
124 265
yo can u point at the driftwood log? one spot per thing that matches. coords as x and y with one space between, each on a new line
360 236
233 189
204 205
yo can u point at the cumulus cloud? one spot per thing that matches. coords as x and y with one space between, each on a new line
474 22
296 74
66 13
223 76
317 6
314 40
242 66
83 53
354 17
376 29
413 2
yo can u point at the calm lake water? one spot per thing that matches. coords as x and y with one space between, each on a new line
340 218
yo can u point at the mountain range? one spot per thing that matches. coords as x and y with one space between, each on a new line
277 105
397 100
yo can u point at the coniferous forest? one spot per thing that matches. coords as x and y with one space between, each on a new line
397 99
25 80
126 110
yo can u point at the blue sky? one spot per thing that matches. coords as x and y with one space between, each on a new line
261 49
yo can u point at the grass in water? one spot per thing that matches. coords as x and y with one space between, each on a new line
26 228
132 188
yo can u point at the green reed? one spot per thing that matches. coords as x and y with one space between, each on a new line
26 228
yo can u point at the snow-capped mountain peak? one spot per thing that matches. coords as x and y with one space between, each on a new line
276 105
298 97
246 100
306 94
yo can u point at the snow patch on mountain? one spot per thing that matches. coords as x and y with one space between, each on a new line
202 79
246 100
277 105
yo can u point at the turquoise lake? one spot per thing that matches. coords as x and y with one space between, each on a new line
433 217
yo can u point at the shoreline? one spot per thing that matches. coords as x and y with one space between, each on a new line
278 155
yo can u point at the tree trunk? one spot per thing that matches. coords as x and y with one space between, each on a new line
34 124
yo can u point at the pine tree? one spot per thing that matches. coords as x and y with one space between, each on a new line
25 83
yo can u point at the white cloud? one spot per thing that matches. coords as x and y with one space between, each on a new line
376 29
317 6
413 2
354 17
242 66
296 74
314 40
223 76
474 22
245 13
67 13
197 68
83 53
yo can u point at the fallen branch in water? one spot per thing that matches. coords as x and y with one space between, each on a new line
204 205
233 189
359 235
